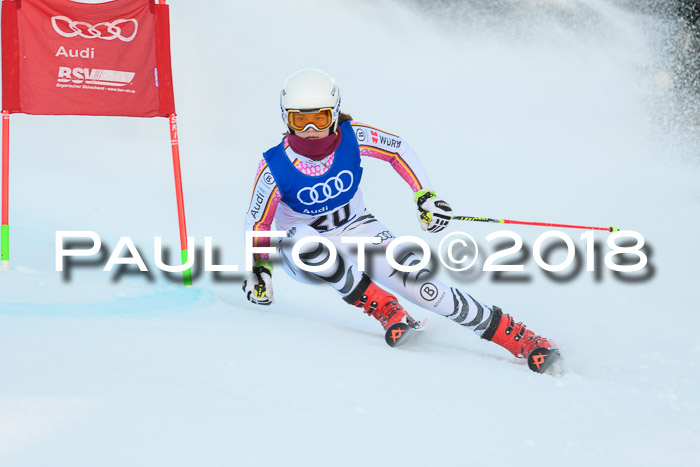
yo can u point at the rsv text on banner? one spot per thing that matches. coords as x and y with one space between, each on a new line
68 58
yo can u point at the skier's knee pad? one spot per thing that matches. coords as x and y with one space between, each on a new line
309 253
296 233
333 267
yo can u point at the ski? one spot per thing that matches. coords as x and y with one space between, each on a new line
400 333
544 360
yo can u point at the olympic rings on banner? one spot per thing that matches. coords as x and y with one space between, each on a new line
88 31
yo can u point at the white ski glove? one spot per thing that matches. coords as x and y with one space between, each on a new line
258 286
433 213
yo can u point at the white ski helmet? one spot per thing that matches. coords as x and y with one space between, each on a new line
308 91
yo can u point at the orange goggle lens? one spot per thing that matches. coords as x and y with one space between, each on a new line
318 119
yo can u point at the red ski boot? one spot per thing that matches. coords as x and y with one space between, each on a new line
540 352
383 306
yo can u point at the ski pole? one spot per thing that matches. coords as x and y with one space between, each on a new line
543 224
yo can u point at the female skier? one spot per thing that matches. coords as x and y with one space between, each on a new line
309 184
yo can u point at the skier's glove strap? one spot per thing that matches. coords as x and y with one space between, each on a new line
433 213
258 286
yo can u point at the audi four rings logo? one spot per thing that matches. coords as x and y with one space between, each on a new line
117 29
331 188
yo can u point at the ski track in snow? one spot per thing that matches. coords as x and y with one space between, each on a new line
544 117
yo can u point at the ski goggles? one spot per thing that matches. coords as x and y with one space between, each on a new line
300 120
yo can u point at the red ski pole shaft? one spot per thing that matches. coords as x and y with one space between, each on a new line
175 145
541 224
5 225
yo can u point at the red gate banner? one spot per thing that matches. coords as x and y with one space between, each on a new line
61 57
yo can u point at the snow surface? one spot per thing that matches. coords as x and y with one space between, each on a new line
557 114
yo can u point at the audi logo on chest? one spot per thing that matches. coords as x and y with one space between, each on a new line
325 191
123 29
